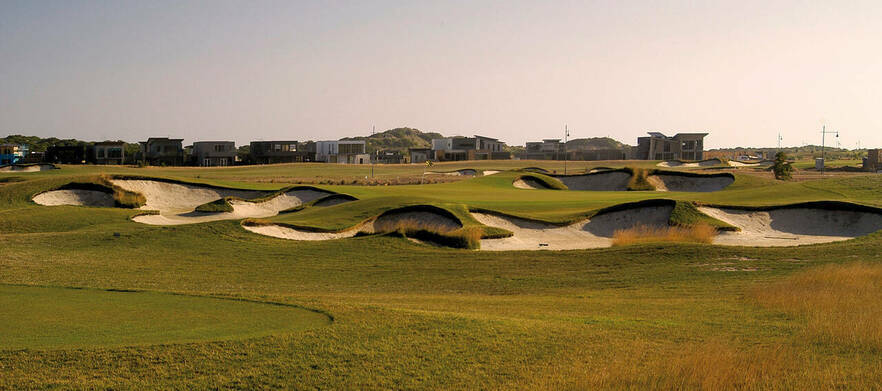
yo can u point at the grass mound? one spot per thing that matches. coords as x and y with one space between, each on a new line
699 233
538 181
221 205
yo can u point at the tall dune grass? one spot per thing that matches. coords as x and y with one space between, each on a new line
840 303
698 233
433 231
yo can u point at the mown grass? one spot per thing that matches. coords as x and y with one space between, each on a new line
408 316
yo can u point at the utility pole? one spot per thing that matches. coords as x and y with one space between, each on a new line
566 137
373 130
779 142
824 133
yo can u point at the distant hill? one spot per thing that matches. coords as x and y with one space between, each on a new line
397 139
594 143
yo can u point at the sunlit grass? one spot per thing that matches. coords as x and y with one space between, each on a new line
699 233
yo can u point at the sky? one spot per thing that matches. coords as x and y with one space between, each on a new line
743 71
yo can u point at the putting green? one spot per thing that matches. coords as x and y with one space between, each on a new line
57 318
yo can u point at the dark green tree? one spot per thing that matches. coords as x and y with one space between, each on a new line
782 168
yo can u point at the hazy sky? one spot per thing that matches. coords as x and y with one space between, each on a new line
516 70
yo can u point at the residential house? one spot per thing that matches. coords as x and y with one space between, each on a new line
12 153
213 153
388 156
109 152
469 148
162 151
272 152
682 146
350 151
547 149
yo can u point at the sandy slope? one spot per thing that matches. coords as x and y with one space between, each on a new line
602 181
528 183
27 168
703 163
385 223
176 202
592 233
793 226
75 197
665 182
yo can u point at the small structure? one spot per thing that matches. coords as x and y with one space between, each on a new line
67 154
109 152
163 151
873 161
12 153
214 153
388 156
420 155
682 146
469 148
350 151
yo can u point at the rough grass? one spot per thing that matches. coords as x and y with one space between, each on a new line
686 214
698 233
639 181
840 303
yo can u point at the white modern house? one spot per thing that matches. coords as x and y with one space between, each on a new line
339 151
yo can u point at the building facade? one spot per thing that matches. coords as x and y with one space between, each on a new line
271 152
468 148
420 155
109 152
349 152
214 153
682 146
873 161
163 151
12 153
547 149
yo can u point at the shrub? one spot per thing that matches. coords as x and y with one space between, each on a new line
698 233
782 168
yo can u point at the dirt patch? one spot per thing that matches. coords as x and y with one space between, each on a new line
596 232
673 182
601 181
75 197
793 226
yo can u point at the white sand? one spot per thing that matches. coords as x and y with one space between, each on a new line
793 226
592 233
176 202
27 168
528 183
278 231
490 172
602 181
703 163
434 221
665 182
75 197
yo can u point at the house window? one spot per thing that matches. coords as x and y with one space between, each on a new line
220 147
100 152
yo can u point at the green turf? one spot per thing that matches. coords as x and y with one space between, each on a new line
52 318
413 316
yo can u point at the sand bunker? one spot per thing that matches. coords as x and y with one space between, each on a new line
762 164
334 199
793 226
601 181
75 197
463 172
411 218
530 183
27 167
176 201
490 172
703 163
705 183
596 232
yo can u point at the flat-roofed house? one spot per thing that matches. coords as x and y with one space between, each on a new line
214 153
469 148
271 152
163 151
109 152
682 146
341 151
